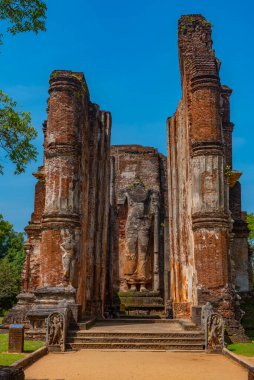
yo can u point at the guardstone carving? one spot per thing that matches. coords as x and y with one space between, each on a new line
56 332
215 332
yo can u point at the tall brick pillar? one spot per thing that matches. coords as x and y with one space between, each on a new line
199 216
210 214
61 219
61 226
68 233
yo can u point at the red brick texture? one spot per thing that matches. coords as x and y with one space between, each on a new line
67 236
199 148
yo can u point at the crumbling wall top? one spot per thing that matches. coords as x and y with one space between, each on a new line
60 77
196 54
192 24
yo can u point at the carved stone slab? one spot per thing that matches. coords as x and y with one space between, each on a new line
214 332
56 332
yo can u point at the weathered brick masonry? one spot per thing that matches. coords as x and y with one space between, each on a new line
67 236
113 225
203 246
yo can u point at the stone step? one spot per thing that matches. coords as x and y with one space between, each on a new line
137 346
137 334
180 323
173 334
139 340
121 321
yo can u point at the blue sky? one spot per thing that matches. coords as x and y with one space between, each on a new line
128 52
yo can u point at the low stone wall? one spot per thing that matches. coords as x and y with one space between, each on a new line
36 335
251 374
30 359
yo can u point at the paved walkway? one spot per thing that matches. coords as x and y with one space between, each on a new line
133 365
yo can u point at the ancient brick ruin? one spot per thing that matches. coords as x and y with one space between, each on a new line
67 236
208 237
124 225
139 262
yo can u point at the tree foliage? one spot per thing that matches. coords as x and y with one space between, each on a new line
23 15
5 232
16 130
16 133
12 257
250 221
9 284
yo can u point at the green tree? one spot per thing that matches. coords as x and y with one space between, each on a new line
250 221
16 130
6 230
16 133
23 15
9 284
12 257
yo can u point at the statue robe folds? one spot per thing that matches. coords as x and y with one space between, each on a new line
142 204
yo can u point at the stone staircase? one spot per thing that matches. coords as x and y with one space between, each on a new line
156 335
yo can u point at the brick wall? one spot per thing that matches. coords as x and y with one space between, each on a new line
67 235
198 151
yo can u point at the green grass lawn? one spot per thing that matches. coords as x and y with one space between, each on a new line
8 359
246 349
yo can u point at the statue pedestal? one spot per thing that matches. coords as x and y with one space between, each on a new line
47 301
145 303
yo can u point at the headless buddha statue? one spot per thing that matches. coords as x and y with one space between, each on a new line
138 232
